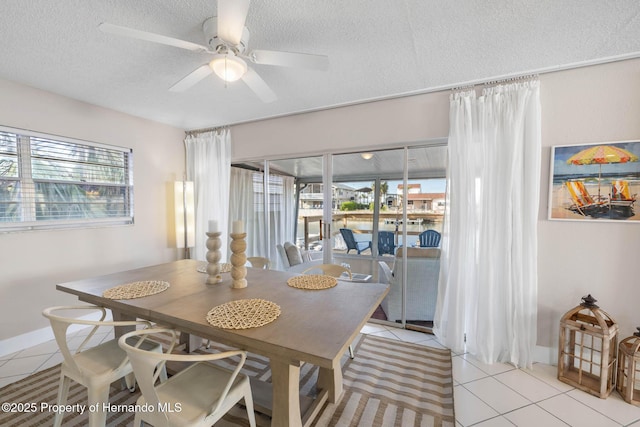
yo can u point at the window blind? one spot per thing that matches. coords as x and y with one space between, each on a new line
52 182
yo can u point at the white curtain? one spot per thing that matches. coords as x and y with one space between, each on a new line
208 166
246 202
487 295
283 208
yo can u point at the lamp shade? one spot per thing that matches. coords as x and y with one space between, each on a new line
228 67
185 214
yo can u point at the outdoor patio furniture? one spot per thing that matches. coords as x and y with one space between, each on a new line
429 239
294 259
352 243
423 269
289 254
386 243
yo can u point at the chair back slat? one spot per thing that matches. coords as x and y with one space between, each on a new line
430 239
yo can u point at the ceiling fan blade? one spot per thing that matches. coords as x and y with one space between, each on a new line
191 79
290 59
259 86
232 15
151 37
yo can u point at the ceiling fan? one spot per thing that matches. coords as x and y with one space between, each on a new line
227 39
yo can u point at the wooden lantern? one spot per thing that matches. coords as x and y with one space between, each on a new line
587 350
628 383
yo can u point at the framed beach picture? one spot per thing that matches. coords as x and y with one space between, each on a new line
595 182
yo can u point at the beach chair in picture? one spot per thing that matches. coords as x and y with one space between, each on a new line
583 203
621 197
352 243
620 193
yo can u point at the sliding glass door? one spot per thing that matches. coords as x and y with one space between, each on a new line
423 198
378 212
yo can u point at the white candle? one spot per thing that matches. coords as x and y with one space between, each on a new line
238 227
213 226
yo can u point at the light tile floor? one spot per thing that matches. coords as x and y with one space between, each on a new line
485 395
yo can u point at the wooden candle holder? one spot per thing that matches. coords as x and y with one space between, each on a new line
238 260
213 258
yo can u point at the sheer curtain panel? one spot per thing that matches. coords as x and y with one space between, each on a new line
208 166
487 299
247 202
283 212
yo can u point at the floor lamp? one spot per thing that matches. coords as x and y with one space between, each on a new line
185 216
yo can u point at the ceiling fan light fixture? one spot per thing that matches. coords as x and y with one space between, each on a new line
228 67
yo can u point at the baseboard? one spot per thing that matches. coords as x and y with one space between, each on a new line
39 336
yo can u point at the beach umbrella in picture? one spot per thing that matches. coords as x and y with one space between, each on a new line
600 155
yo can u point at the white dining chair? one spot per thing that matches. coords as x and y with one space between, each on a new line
96 367
198 395
259 262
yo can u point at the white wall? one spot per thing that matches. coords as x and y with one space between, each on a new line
32 263
598 103
594 104
381 123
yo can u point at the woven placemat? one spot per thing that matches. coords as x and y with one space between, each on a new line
312 281
136 289
243 314
225 267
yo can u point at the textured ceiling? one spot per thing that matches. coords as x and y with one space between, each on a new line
376 49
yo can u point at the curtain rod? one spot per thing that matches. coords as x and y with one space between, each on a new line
511 79
545 70
214 129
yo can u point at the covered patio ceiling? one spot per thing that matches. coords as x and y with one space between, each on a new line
424 162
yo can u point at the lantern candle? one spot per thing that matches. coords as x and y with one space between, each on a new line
628 383
587 348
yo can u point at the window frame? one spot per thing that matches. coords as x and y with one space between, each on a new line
27 182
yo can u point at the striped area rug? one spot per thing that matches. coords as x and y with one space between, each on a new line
389 383
394 384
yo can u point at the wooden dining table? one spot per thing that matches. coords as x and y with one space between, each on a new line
314 326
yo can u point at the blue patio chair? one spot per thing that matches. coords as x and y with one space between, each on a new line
386 242
352 243
429 239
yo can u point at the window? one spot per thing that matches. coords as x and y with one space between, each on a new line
51 182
